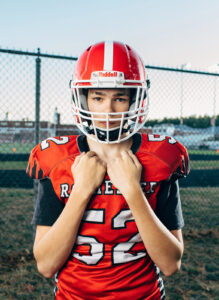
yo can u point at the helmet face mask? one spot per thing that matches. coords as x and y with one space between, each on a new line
129 73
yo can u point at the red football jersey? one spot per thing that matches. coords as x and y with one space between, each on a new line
109 259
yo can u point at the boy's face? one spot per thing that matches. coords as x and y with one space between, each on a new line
108 101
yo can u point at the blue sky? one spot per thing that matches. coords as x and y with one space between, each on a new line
164 32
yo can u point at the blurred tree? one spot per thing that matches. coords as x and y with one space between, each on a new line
192 121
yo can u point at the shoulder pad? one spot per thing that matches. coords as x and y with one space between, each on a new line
163 156
49 153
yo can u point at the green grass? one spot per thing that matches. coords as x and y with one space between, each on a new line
200 208
20 148
13 165
26 148
202 152
196 164
19 278
198 278
204 164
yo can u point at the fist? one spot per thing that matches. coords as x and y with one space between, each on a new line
125 171
88 171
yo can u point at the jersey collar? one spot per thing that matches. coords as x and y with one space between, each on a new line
83 145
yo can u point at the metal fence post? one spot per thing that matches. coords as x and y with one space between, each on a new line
37 99
213 119
37 120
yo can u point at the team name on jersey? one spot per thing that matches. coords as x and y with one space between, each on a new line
107 188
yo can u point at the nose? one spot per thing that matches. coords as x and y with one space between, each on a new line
109 106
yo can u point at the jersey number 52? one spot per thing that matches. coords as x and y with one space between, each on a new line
120 252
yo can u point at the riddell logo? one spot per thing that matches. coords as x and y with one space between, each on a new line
108 74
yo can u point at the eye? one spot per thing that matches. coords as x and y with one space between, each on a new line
119 99
97 99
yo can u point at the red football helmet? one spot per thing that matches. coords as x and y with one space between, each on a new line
110 65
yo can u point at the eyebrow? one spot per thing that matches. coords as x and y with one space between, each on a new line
116 94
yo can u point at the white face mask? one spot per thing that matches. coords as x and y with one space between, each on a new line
129 122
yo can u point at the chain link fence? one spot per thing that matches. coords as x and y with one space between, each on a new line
35 104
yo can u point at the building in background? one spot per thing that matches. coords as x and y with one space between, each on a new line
23 131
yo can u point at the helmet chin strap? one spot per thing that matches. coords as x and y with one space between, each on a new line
113 135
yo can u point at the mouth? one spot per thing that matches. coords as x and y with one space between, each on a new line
111 123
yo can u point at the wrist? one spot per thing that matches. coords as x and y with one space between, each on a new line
80 193
132 191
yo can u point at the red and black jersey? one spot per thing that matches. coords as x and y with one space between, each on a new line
109 259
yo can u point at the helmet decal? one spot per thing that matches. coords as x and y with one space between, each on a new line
108 56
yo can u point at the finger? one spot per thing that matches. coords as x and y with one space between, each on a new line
134 158
78 158
99 160
91 153
127 157
103 163
124 154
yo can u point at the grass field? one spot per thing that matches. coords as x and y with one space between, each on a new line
21 165
26 148
20 148
202 152
198 278
197 164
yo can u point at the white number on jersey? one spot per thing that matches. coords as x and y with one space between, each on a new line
63 140
161 138
119 251
96 250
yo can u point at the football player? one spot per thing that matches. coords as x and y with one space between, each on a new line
108 216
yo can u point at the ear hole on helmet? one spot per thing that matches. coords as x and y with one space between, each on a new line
85 92
132 95
148 83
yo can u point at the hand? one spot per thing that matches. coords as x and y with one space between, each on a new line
125 172
88 171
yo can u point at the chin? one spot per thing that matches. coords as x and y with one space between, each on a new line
104 126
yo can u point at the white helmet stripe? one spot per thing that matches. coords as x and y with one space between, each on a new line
108 56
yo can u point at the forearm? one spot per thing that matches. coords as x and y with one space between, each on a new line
162 246
52 250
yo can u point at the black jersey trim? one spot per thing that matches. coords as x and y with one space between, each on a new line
168 208
136 142
83 144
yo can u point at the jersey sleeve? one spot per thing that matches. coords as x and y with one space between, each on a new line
163 157
35 167
182 168
168 207
49 153
48 207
